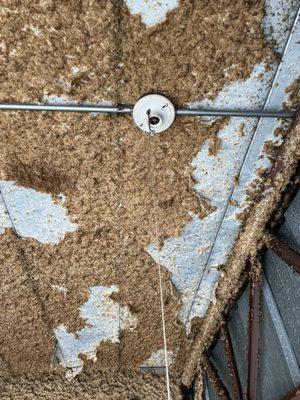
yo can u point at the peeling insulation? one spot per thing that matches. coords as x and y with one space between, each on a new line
98 50
110 200
97 386
78 276
247 246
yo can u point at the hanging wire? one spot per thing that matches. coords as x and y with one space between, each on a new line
152 133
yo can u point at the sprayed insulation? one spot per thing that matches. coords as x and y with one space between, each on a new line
104 167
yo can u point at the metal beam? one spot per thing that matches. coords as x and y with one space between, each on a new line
122 109
231 362
291 257
253 340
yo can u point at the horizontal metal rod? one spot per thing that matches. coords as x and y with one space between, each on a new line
66 108
235 113
128 110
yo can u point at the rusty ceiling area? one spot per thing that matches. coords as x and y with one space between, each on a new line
122 253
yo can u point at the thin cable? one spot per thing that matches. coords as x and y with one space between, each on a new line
152 133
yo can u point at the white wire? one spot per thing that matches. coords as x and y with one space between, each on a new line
159 273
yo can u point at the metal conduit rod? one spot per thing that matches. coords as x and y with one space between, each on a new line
65 108
235 113
121 109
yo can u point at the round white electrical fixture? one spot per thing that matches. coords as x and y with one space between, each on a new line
154 113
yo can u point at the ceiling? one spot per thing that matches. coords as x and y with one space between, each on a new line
90 205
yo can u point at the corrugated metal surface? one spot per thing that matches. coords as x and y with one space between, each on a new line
279 340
